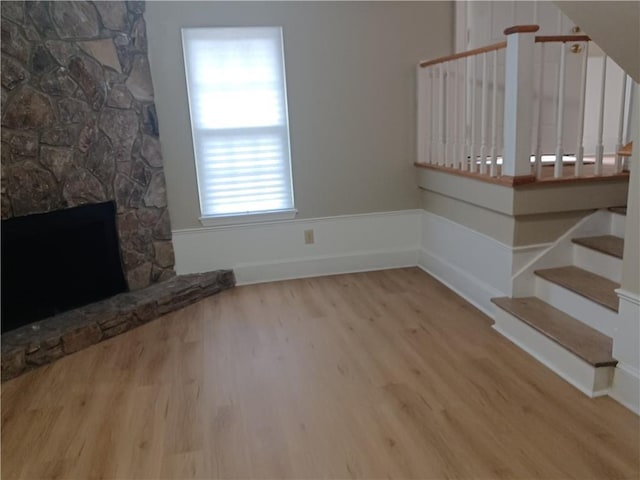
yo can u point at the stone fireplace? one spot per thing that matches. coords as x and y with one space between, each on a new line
79 128
79 124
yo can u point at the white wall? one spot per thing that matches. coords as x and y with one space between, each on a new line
626 340
351 88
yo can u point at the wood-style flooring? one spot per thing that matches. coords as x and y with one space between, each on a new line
373 375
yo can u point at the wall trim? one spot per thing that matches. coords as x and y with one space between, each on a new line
625 388
306 267
347 217
469 287
583 226
476 233
275 250
474 265
628 296
626 382
532 247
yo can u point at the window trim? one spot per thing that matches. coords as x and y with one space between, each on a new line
251 216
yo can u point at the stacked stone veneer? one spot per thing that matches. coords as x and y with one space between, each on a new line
79 124
45 341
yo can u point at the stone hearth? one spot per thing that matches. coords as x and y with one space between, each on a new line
45 341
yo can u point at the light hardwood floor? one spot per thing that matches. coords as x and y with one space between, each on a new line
370 375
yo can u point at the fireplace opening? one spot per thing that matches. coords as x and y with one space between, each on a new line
58 261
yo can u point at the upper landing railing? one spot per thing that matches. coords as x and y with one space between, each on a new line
515 111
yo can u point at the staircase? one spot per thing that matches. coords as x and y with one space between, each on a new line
567 317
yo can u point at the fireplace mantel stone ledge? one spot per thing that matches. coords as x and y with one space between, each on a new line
47 340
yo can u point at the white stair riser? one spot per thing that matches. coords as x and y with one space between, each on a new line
579 307
597 262
591 381
617 224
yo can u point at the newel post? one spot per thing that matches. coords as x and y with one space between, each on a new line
518 100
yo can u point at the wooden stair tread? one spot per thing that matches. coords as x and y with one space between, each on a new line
594 287
620 210
583 341
609 244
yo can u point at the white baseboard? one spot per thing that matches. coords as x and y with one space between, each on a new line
271 251
292 268
472 289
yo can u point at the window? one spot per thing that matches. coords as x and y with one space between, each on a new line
237 100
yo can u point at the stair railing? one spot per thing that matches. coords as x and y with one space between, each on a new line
449 89
480 112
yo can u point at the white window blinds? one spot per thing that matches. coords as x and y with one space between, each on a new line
237 99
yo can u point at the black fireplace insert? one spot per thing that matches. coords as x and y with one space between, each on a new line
53 262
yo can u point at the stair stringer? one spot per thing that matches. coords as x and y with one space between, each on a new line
559 252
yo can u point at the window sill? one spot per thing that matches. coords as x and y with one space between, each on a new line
248 218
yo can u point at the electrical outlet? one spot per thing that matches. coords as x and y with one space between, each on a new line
308 237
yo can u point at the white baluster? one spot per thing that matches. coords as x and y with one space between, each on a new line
539 103
472 150
429 107
454 125
501 111
422 132
441 118
433 157
447 113
557 170
619 143
627 137
461 119
494 112
467 125
483 116
583 92
599 144
632 89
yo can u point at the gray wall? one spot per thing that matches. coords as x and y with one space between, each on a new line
351 89
614 26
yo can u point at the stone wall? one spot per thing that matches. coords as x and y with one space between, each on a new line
79 123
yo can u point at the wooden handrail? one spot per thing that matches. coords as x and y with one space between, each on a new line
627 150
468 53
521 29
562 38
501 45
